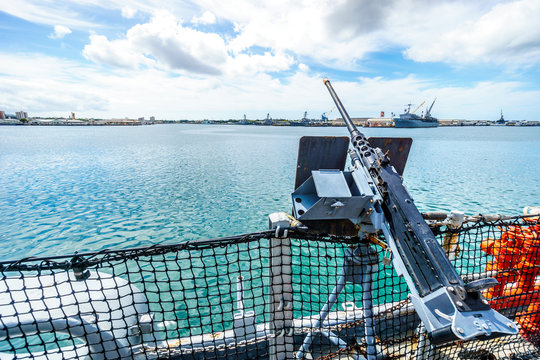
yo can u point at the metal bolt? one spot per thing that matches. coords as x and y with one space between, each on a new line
459 303
485 302
510 325
450 288
460 330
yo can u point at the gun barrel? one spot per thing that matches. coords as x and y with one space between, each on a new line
350 125
358 140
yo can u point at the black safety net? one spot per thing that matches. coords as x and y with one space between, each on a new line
279 295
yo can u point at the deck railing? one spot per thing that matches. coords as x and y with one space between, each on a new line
260 296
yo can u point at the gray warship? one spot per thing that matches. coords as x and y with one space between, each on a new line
411 120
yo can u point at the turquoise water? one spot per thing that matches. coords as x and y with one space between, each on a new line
66 189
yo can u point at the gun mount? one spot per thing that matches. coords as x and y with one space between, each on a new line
372 196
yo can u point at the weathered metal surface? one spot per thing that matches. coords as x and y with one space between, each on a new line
320 152
332 227
323 152
398 150
329 152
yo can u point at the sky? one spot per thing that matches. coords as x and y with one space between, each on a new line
221 59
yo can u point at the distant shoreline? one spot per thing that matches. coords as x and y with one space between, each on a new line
364 122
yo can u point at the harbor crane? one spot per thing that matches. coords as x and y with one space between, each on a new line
419 106
324 116
428 112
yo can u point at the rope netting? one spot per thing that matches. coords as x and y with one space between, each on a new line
260 296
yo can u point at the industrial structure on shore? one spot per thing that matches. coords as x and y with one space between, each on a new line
22 118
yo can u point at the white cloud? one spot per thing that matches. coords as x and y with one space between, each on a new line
46 85
338 33
166 44
164 39
79 14
46 12
507 34
128 12
156 63
118 53
341 33
251 64
56 89
59 32
279 25
207 18
303 67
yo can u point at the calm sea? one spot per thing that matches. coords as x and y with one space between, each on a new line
66 189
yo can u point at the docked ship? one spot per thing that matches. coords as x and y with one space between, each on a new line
411 120
302 122
501 120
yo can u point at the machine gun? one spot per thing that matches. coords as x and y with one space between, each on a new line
372 196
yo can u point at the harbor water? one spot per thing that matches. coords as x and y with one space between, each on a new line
66 189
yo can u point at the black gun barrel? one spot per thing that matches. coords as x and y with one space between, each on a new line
358 139
350 125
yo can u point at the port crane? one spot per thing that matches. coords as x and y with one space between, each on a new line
324 116
419 106
428 112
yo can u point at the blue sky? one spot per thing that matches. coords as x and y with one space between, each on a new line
220 59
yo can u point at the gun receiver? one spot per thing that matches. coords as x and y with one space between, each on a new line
372 195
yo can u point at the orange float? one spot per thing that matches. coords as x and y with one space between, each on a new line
529 321
516 259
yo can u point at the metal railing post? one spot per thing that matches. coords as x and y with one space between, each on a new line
280 299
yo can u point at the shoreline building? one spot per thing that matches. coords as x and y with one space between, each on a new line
2 115
21 115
